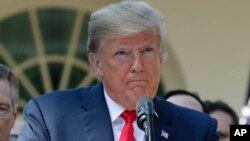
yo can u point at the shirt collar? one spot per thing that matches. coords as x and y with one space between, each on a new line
114 108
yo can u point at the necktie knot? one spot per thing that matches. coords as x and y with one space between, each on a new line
127 133
129 116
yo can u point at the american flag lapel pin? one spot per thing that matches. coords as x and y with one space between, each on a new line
164 134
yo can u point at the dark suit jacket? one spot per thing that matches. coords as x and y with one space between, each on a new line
82 115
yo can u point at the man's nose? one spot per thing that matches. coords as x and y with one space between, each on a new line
137 63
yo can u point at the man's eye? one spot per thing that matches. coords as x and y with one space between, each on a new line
222 135
3 111
121 53
148 49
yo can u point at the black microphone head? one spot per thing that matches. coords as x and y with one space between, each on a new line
144 107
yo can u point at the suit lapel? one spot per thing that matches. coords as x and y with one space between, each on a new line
96 119
97 123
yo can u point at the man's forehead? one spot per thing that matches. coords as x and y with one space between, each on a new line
139 39
4 89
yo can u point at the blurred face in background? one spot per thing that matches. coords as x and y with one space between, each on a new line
129 67
7 112
186 101
224 120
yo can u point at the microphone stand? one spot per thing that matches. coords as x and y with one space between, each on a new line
149 132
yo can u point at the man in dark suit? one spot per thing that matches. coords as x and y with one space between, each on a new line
125 51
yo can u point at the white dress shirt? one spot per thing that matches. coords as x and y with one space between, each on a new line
118 122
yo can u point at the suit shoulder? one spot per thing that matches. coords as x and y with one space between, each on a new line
67 96
180 119
62 94
182 114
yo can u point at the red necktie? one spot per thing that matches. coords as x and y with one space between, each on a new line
128 130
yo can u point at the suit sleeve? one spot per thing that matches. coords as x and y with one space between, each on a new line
212 134
34 128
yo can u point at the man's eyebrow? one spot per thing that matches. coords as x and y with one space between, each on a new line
4 104
147 43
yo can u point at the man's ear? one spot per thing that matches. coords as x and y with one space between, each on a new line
95 64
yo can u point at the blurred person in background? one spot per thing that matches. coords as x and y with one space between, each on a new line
225 117
186 99
8 101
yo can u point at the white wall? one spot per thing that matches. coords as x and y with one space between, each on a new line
211 41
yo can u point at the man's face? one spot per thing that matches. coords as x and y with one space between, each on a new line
7 113
129 67
224 120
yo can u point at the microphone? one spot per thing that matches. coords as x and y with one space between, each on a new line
146 116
